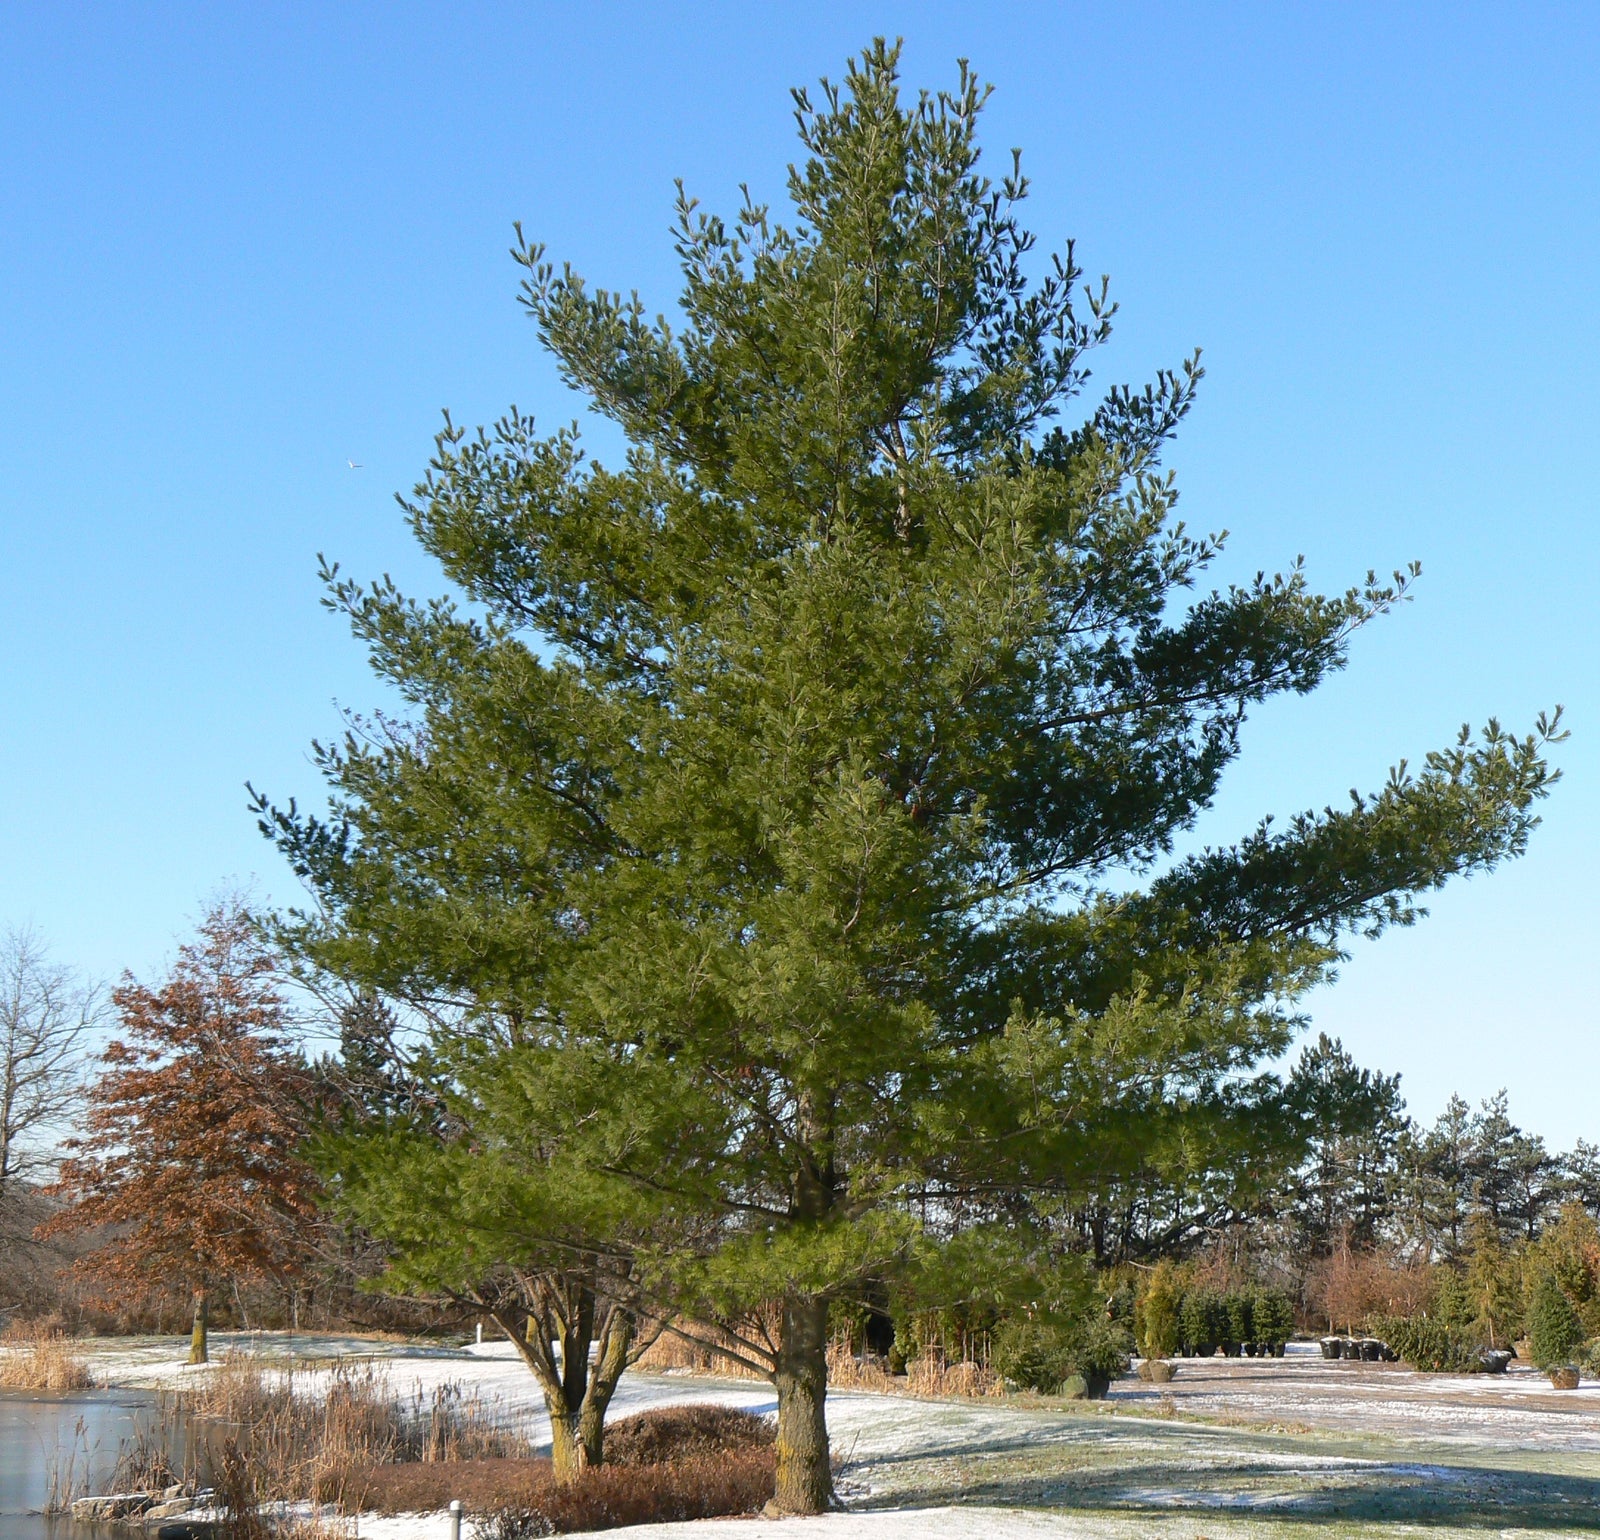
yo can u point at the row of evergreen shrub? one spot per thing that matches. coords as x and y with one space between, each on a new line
1451 1336
1256 1322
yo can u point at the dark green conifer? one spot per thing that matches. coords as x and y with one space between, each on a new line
773 812
1554 1329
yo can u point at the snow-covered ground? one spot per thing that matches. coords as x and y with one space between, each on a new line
1361 1398
1321 1444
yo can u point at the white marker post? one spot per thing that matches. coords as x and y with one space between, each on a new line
455 1520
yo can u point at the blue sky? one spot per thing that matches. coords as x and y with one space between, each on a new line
244 244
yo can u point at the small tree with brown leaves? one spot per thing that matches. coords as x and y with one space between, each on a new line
189 1160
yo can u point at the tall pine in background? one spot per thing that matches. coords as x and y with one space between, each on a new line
774 813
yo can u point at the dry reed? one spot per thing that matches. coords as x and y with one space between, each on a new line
674 1354
67 1471
928 1376
265 1436
40 1358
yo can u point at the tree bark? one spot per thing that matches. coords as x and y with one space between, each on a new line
568 1458
530 1340
616 1336
198 1334
804 1477
575 1396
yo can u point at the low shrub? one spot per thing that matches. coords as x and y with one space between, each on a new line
1589 1360
1431 1343
515 1499
1272 1319
1046 1353
1202 1323
479 1485
1241 1321
1156 1315
1254 1321
676 1433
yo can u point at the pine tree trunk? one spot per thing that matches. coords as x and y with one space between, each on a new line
198 1336
804 1478
568 1456
612 1359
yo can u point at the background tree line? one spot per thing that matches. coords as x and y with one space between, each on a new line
1357 1172
204 1090
156 1141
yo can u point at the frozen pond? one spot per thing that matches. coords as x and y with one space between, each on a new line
60 1442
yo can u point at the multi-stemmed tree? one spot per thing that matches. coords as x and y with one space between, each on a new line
775 810
473 1211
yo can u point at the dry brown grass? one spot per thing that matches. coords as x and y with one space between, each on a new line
288 1444
671 1352
38 1357
930 1375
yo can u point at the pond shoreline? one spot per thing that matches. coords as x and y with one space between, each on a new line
63 1444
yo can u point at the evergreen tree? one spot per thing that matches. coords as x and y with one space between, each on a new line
472 1213
1157 1326
1470 1163
369 1078
1510 1174
1492 1281
1353 1120
1579 1178
761 811
1434 1168
1554 1330
1569 1250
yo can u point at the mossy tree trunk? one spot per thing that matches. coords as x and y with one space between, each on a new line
577 1392
199 1331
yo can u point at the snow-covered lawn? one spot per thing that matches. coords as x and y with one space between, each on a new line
1323 1448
